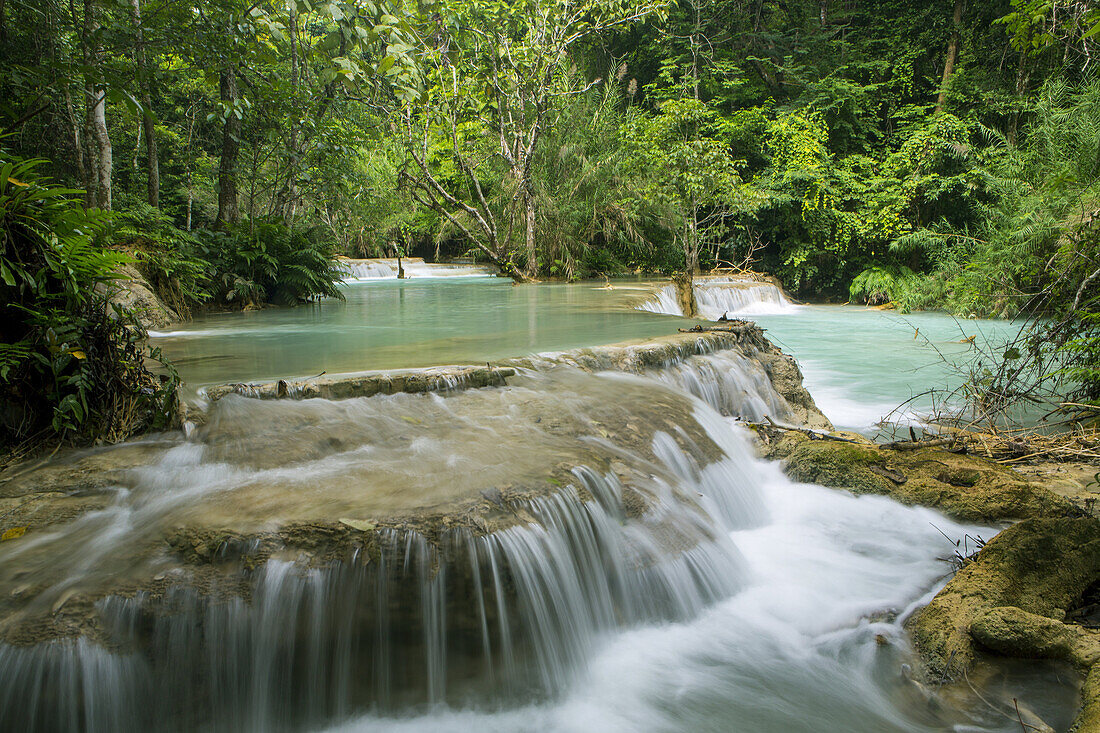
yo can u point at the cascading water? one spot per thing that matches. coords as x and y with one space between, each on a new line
414 267
717 297
572 552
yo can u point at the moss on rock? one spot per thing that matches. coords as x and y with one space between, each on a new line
1039 567
965 487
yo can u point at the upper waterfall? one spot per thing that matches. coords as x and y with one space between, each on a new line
717 297
414 267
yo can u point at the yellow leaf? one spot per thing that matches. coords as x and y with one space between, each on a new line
17 183
13 534
78 354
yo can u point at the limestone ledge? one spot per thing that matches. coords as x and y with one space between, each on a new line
966 487
633 357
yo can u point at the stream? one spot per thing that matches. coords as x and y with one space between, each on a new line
669 580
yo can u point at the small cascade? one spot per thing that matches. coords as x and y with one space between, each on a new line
255 631
493 618
717 297
414 267
729 382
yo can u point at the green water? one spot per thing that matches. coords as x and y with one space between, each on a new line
389 324
859 363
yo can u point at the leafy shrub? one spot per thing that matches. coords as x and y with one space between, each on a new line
71 365
166 256
269 261
878 285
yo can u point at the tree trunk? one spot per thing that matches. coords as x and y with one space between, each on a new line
190 164
952 54
228 208
691 241
78 141
96 118
684 284
95 123
529 231
105 161
292 175
1021 87
145 76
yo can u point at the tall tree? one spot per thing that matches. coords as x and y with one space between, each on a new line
145 82
952 53
96 136
500 70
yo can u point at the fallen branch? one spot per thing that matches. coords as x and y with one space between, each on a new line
814 434
904 445
747 328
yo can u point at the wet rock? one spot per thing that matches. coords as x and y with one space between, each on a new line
639 357
367 385
1039 568
1014 632
965 487
132 291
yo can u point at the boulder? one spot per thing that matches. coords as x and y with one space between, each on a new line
965 487
1040 568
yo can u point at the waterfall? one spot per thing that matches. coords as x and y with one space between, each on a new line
569 552
248 636
499 616
414 267
717 297
730 383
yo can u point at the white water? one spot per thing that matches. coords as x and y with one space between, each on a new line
717 297
414 267
794 650
739 602
869 370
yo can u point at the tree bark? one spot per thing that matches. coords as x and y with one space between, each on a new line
99 156
684 284
291 202
78 141
952 54
529 235
105 157
190 164
228 207
151 158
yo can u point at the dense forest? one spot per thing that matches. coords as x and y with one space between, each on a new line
940 155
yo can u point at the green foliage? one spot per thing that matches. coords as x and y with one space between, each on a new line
878 285
71 364
687 177
167 257
257 262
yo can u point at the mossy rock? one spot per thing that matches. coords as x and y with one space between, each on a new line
1039 567
1013 632
965 487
